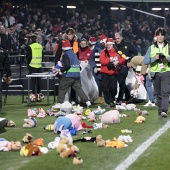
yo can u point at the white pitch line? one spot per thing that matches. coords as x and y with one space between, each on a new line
134 155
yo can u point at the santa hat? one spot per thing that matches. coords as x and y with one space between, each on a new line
102 38
92 40
155 38
109 41
66 45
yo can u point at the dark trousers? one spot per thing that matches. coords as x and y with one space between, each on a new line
123 89
100 86
109 87
36 81
65 84
161 84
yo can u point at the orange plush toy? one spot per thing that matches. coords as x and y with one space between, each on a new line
39 142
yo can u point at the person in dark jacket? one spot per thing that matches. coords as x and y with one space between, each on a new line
4 70
126 48
70 74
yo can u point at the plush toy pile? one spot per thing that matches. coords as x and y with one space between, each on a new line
32 97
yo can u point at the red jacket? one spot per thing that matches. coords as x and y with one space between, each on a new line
84 54
104 60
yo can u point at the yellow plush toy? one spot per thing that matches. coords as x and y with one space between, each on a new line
140 119
77 161
115 143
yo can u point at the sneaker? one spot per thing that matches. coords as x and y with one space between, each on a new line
149 104
108 106
163 114
88 104
73 103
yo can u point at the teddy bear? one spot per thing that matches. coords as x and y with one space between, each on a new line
32 149
140 119
111 116
62 144
99 141
70 151
125 138
27 138
30 122
77 161
7 146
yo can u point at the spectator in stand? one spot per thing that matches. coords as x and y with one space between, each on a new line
95 61
126 48
110 62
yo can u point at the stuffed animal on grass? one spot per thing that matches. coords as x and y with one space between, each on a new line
142 112
92 117
77 161
41 113
8 146
39 142
49 127
32 112
99 111
30 122
140 119
66 149
99 141
27 138
32 149
111 116
125 138
115 144
54 144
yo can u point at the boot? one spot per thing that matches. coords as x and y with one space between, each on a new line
101 100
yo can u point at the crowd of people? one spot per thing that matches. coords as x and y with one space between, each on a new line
107 49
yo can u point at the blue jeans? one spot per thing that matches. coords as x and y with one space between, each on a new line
149 88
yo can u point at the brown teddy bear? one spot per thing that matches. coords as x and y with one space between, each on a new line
99 141
32 149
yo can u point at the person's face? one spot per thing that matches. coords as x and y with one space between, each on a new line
83 43
109 46
118 38
70 36
160 38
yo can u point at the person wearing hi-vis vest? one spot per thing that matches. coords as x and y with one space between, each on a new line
70 71
158 57
34 58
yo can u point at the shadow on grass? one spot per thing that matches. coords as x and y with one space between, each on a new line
2 130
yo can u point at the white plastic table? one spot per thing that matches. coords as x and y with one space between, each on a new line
47 75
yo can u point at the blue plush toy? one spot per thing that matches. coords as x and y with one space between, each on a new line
62 123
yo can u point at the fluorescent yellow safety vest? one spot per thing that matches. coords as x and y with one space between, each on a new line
36 55
154 67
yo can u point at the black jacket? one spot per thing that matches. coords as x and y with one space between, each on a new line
4 63
127 49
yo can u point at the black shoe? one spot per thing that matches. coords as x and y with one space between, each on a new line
118 102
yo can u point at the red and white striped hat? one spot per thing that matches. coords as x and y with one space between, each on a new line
102 38
109 41
66 45
92 40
